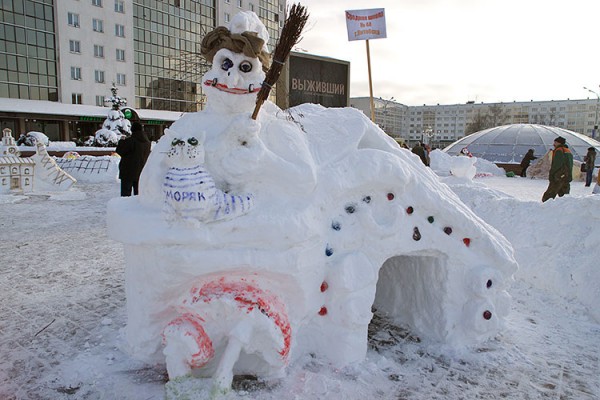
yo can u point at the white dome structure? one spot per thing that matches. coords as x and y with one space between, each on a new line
508 144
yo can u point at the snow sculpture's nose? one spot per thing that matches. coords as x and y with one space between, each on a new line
233 78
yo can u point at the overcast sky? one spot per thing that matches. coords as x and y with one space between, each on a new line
453 51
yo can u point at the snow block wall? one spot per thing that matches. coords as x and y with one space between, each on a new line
253 243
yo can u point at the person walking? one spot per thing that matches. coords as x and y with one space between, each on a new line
590 162
527 159
561 170
134 151
420 150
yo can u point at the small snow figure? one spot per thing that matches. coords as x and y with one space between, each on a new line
189 189
465 152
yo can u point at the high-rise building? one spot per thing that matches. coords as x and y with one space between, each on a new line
72 51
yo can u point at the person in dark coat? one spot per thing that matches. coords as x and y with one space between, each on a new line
590 162
134 152
420 150
527 159
561 170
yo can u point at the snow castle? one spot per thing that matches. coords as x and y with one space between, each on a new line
253 243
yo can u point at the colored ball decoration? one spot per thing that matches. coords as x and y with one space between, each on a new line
328 251
324 286
430 219
323 311
447 230
416 234
487 315
467 242
390 196
367 199
488 284
410 210
350 209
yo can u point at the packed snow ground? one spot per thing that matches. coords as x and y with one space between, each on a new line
63 310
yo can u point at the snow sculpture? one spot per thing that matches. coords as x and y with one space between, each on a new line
343 219
31 138
190 191
38 172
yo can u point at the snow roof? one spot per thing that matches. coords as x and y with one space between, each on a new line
8 160
509 143
56 108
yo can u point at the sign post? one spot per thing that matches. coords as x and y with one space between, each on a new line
365 25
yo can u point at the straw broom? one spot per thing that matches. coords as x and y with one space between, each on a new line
290 34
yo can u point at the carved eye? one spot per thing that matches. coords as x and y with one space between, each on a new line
226 64
246 66
193 141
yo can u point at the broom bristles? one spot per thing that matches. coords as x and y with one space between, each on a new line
290 35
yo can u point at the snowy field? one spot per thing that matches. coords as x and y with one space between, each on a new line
63 310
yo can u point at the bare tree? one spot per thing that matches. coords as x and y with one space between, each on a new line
496 115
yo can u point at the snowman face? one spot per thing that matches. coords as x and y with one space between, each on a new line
233 81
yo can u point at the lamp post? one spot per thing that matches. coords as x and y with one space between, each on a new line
596 118
386 103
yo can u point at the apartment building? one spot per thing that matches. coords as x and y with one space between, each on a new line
73 51
444 124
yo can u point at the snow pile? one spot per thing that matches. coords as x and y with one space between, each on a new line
461 166
256 243
33 137
560 235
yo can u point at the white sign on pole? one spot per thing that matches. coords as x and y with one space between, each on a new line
366 24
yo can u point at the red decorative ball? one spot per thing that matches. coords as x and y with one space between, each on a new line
410 210
324 286
467 241
487 314
447 230
323 311
390 196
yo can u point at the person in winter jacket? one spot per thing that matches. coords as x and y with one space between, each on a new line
134 152
561 170
527 159
420 150
590 161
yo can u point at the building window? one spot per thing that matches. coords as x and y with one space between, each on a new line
99 76
97 3
98 51
76 74
119 6
120 55
76 98
239 3
100 101
227 17
73 19
121 79
251 7
119 30
98 25
74 46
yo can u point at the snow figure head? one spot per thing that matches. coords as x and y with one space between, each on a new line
185 150
239 57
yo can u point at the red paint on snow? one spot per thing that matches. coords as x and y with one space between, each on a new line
205 347
249 297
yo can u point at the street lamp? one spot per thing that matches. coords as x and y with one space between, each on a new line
596 118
